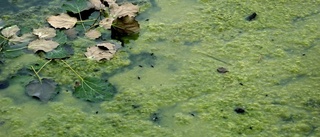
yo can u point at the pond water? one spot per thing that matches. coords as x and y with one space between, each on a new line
198 68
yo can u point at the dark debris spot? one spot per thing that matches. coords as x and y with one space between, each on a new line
140 66
135 106
251 16
241 84
2 123
155 117
152 66
97 112
139 77
303 54
239 110
251 127
222 70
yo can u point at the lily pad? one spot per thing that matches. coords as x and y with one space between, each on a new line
61 52
61 38
45 90
94 90
76 6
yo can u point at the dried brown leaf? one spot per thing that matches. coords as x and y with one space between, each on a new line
45 33
62 21
24 38
127 9
10 31
96 4
42 44
106 23
93 34
101 51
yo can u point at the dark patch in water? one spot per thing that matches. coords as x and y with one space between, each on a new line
191 43
4 84
142 59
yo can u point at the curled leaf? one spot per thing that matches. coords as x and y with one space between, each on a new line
125 26
101 51
41 44
62 21
45 33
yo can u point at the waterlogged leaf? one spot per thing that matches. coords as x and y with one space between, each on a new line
45 90
101 51
14 51
94 90
45 33
10 31
125 26
62 21
61 52
41 44
61 38
117 11
76 6
93 34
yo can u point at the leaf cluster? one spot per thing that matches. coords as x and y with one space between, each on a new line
55 43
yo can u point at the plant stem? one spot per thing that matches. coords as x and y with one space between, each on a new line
82 80
4 37
44 65
36 74
16 49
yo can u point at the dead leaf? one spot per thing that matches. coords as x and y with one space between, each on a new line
93 34
96 4
117 11
71 33
62 21
45 33
24 38
127 9
106 23
125 26
101 51
10 31
42 44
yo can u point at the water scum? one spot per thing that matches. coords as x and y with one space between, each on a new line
168 83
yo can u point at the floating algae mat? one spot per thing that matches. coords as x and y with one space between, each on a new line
174 68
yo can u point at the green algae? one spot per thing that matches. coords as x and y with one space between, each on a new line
273 57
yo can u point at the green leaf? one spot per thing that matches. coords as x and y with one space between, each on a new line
61 38
44 90
14 51
75 6
94 90
62 51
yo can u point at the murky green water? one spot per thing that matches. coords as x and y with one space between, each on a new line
167 79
